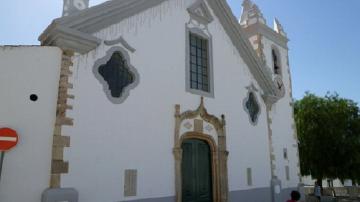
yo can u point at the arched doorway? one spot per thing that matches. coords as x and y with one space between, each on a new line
196 168
219 154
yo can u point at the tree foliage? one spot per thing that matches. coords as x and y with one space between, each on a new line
329 137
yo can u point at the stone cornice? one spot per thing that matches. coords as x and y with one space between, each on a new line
68 39
105 14
74 32
267 32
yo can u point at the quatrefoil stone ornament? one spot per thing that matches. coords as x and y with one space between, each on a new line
208 128
252 107
188 125
117 75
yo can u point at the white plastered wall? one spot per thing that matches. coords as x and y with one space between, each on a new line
138 134
26 70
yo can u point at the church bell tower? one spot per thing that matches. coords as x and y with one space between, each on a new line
271 46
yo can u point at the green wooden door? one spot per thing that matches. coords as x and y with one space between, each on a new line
196 171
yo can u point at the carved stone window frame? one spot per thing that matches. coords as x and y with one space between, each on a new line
198 25
201 33
218 151
252 89
126 91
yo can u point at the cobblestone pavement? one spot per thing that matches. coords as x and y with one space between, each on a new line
347 200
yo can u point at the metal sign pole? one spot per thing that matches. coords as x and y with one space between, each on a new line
1 162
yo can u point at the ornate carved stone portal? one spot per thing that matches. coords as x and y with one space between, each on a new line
219 154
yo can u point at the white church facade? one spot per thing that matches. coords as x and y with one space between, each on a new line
151 101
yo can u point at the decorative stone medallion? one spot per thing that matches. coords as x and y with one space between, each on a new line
209 128
188 125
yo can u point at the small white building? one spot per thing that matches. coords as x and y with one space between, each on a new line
151 101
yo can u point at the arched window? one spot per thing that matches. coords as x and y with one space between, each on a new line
276 62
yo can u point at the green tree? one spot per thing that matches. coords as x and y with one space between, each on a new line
329 137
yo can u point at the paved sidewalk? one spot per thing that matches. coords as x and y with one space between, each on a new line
341 199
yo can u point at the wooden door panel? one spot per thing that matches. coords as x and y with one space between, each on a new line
196 171
188 185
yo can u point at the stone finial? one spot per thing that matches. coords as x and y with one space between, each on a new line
177 110
251 14
223 121
247 5
278 27
74 6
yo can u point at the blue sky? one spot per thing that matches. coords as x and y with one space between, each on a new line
324 37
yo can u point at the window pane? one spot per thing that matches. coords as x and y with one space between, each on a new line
204 54
193 77
204 71
204 45
193 59
199 70
194 85
198 63
205 80
205 88
200 78
192 40
193 68
199 53
198 42
204 61
193 50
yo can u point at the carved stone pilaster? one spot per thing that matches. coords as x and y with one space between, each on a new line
223 157
260 47
271 150
58 165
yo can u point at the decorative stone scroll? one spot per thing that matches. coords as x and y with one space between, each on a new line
200 12
218 150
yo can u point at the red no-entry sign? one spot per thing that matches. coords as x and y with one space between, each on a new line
8 139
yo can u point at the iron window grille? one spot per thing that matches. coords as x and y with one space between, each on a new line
199 63
117 74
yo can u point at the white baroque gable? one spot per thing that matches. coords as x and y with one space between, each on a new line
75 32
